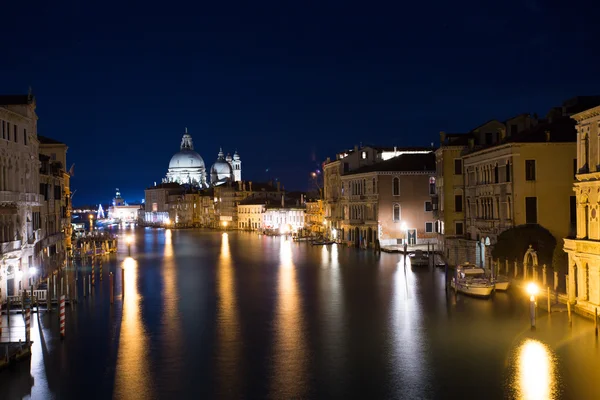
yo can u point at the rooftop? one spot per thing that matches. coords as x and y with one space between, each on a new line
47 140
16 99
404 163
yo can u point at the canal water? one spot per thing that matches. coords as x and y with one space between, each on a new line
208 315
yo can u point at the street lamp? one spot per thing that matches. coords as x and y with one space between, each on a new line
129 240
532 290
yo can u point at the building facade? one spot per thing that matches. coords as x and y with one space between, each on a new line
251 214
389 202
315 221
53 247
157 206
20 201
583 248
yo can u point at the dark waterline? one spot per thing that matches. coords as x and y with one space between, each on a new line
211 315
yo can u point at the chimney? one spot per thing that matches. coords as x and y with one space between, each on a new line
250 184
471 143
282 200
278 186
442 137
502 134
240 185
547 136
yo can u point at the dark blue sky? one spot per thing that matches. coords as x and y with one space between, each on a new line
285 83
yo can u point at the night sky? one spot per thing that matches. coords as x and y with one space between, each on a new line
285 83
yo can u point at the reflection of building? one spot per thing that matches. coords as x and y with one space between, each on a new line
121 211
584 248
389 201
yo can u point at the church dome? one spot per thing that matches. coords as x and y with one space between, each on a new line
221 169
186 158
186 166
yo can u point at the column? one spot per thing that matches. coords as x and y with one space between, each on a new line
581 223
571 283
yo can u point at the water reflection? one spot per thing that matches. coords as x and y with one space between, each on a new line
228 326
132 376
171 324
408 341
535 376
289 376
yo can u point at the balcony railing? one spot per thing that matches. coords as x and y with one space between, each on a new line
7 247
16 197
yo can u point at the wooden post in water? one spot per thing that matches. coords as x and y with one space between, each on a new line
123 282
556 281
516 269
54 285
90 284
506 265
544 277
112 287
569 310
48 297
549 309
596 320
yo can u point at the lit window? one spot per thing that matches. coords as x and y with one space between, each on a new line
364 155
397 213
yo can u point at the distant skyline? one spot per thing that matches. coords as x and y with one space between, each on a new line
286 84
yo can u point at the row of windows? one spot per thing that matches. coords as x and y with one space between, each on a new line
396 186
359 187
5 129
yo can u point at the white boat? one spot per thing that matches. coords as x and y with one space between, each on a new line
501 282
471 280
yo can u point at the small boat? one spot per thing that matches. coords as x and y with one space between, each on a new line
501 282
302 239
419 258
322 242
471 280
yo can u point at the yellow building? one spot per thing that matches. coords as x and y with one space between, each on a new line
583 248
515 172
315 217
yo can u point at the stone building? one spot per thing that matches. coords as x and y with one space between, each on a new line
514 172
583 248
251 213
187 167
55 216
20 201
314 219
346 162
389 201
287 218
157 206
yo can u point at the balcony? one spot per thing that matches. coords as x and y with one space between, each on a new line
7 247
492 226
16 197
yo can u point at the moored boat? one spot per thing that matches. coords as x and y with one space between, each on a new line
501 282
471 280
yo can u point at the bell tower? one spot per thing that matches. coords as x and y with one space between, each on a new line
236 167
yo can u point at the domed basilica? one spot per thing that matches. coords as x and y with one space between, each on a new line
187 167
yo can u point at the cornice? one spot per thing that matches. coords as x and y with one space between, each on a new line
591 113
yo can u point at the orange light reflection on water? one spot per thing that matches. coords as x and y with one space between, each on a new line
132 376
228 326
535 376
290 347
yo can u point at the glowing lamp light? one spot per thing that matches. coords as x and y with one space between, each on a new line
19 274
129 239
32 270
532 289
225 223
403 226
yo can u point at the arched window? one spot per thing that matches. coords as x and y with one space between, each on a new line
397 215
496 174
396 186
507 171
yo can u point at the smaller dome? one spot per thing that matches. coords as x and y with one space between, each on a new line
236 156
228 158
221 169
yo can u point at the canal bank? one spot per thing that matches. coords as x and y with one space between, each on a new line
215 315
